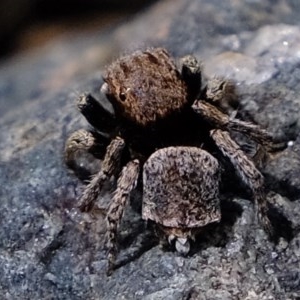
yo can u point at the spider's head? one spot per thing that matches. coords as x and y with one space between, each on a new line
145 86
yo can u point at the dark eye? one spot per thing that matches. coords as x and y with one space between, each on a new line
122 96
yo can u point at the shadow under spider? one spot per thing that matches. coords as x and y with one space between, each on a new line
282 187
218 234
282 226
143 237
135 244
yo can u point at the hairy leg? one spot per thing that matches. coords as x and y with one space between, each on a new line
221 93
82 150
110 166
221 120
78 140
126 183
247 171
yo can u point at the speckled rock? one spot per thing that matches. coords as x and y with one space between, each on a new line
48 250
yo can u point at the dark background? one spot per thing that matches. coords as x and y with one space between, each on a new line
27 24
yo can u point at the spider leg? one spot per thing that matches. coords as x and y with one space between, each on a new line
248 173
110 165
126 183
99 117
221 93
82 150
222 121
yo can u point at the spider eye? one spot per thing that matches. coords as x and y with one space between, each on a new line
122 96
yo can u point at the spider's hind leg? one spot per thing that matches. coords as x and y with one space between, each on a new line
126 183
248 173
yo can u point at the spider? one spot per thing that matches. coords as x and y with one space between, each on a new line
171 129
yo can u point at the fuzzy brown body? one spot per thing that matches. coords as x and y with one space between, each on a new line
152 102
172 128
146 87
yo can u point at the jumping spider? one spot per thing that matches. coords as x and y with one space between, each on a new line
169 126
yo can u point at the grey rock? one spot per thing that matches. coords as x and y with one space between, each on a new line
48 250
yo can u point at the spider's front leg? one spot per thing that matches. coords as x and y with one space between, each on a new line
99 117
126 183
248 172
110 166
82 145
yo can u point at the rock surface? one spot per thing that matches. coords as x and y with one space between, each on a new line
48 250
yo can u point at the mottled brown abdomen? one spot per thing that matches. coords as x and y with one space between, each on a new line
181 188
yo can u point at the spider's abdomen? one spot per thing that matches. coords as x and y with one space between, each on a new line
145 86
181 188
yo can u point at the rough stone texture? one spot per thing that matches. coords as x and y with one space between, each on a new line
48 250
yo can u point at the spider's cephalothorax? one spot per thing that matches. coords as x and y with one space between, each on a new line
151 100
172 128
145 87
